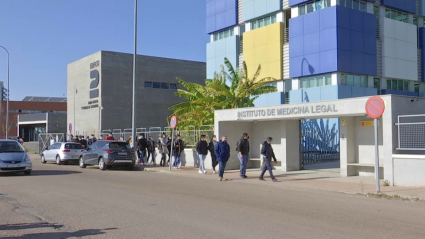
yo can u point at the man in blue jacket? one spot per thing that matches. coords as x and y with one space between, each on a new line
222 152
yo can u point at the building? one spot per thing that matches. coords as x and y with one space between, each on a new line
29 105
100 88
31 125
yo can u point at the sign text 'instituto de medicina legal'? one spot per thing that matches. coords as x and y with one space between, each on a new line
298 110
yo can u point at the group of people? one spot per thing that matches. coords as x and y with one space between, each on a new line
220 154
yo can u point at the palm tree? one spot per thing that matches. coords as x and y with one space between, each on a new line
241 92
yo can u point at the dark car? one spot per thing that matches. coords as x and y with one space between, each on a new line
107 153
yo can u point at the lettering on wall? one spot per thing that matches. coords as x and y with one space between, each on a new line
282 111
94 75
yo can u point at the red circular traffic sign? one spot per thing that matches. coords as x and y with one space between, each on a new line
375 107
173 122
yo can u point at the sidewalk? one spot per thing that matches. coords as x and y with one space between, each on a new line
315 179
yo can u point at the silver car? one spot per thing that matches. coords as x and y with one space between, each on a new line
14 158
62 152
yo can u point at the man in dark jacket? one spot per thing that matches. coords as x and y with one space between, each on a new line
142 144
243 154
268 154
151 150
222 152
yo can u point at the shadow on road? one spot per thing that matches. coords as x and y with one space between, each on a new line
41 173
21 226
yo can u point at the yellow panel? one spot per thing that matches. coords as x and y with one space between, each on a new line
261 36
275 69
248 40
249 56
273 52
260 54
275 33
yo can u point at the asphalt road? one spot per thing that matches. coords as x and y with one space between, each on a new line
68 202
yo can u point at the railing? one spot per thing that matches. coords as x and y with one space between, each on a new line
411 132
286 35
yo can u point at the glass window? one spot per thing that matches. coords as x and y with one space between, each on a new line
363 82
350 80
393 14
273 19
394 84
320 81
221 35
400 85
406 86
301 10
119 145
404 18
387 13
304 83
318 5
312 82
231 32
356 80
148 84
74 146
343 79
267 21
356 5
389 85
173 86
377 83
376 10
254 25
165 86
417 87
261 23
398 16
415 20
362 7
349 3
328 79
226 34
326 3
310 7
156 85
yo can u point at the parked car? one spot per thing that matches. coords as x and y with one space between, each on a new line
14 158
107 153
62 152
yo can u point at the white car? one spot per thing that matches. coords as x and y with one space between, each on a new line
14 158
62 152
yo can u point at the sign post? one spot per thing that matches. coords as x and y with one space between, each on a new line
375 107
173 125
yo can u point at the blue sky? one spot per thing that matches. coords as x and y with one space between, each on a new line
43 36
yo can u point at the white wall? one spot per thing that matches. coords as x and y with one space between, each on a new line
399 49
409 170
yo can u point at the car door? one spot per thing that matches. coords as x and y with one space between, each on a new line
55 150
49 153
88 155
99 151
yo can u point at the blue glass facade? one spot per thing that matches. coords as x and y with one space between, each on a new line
221 14
402 5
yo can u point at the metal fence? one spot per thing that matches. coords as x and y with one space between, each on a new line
411 132
46 139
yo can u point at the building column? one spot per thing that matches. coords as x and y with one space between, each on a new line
347 146
289 153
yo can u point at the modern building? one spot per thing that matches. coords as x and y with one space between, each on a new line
322 50
31 125
100 88
29 105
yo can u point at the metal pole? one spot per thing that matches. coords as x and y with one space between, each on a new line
75 89
133 123
172 146
8 93
375 124
99 126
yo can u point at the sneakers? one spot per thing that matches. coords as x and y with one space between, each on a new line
213 171
205 172
221 179
274 180
261 179
200 172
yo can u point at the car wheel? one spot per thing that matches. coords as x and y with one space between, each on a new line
27 172
82 165
58 160
102 165
43 159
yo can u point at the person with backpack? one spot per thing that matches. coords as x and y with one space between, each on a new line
267 154
151 150
243 154
222 151
142 144
177 150
211 148
202 150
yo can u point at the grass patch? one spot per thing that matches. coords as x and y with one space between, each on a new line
391 197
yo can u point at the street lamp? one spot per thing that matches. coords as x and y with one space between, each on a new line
133 123
8 92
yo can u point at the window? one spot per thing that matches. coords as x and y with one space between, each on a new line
350 80
315 81
394 84
354 4
357 81
223 34
376 11
397 15
399 85
148 84
73 146
363 81
416 87
173 86
156 85
354 80
377 84
313 6
165 86
415 21
328 79
343 79
406 86
263 22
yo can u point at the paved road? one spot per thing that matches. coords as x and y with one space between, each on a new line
69 202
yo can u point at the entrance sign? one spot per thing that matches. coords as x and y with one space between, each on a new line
70 127
173 122
173 125
375 107
367 123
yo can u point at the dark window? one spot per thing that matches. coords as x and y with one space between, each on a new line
173 86
73 146
156 85
165 86
119 145
148 85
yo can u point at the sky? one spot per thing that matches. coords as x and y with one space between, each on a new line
44 36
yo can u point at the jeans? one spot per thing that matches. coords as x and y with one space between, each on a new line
266 166
202 162
221 167
153 157
176 161
244 161
214 161
142 156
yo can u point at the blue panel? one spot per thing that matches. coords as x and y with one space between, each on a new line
370 65
356 21
343 17
422 95
296 27
296 96
357 62
344 91
344 61
270 99
329 92
369 24
357 91
328 61
370 91
274 5
313 94
297 2
311 22
231 17
211 8
248 10
221 14
220 20
220 6
344 39
311 43
369 44
295 66
260 8
357 41
397 92
422 7
211 24
210 50
403 5
422 45
328 39
327 18
218 50
311 64
296 48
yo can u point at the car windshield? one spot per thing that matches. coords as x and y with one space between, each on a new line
11 147
119 145
74 146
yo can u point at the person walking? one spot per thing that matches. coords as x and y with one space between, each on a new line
243 154
110 136
92 140
211 148
202 150
169 149
267 154
177 150
162 146
151 150
142 144
83 142
222 151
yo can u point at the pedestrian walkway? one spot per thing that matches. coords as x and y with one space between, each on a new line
316 178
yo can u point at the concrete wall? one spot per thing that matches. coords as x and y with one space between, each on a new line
409 170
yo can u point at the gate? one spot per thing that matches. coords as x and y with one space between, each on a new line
47 139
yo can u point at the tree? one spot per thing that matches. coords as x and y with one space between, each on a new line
216 94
